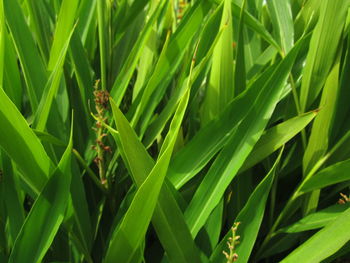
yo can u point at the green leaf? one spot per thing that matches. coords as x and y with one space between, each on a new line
104 38
282 244
169 61
127 237
196 154
122 81
324 243
2 44
253 24
64 28
307 17
250 218
127 14
240 144
321 128
316 220
323 48
318 142
35 77
9 75
149 52
282 20
80 209
260 62
213 227
167 219
13 197
203 52
40 22
276 136
22 146
83 72
47 137
333 174
51 88
320 132
240 65
220 89
46 215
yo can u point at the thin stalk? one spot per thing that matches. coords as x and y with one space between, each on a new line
272 202
89 171
100 156
298 107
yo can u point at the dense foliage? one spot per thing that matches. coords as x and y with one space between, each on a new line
174 131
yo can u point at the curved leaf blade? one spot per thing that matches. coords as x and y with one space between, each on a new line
168 219
333 174
324 243
128 236
46 215
276 136
250 218
316 220
22 146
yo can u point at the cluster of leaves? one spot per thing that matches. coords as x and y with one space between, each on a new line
143 131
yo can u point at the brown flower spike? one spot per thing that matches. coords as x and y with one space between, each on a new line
101 105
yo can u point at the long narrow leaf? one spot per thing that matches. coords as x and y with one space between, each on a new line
22 146
323 48
250 218
127 237
327 241
27 52
236 151
167 218
316 220
46 215
276 136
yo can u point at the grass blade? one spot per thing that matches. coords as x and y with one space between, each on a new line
327 241
104 38
323 47
46 215
320 136
9 76
239 146
127 237
282 19
121 83
220 89
64 28
277 136
316 220
51 89
169 61
40 25
203 52
167 218
27 52
13 197
240 65
196 154
250 218
254 24
333 174
22 146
